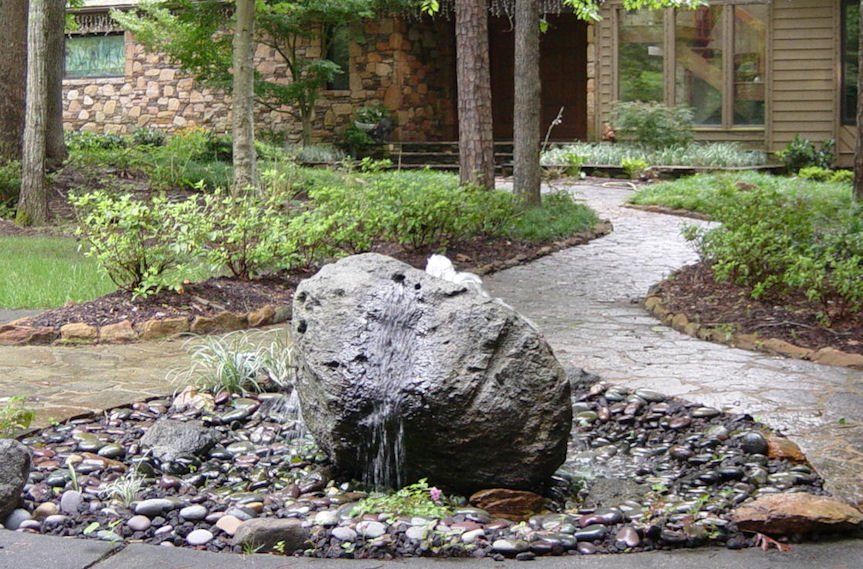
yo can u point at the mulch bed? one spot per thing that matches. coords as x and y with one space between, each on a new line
695 292
217 295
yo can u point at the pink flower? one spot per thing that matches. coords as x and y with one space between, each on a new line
435 494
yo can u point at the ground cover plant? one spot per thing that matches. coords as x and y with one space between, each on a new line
44 272
695 155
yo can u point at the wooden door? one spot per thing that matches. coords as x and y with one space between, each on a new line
563 68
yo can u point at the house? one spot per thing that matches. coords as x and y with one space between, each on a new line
756 72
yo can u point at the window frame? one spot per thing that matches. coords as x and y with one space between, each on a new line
68 37
327 34
728 54
844 118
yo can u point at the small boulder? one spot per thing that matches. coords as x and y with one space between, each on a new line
516 505
170 439
118 333
14 470
265 533
155 329
783 449
78 332
796 514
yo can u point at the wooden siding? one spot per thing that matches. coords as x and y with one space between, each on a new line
804 77
606 68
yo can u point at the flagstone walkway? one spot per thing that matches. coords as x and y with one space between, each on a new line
587 300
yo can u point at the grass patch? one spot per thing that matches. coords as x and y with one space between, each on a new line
557 218
47 272
709 193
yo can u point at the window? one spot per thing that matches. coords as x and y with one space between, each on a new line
698 79
712 59
850 61
338 41
641 56
95 56
750 40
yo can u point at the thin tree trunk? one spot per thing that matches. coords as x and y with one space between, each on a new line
243 96
13 77
55 145
528 102
33 201
858 157
476 135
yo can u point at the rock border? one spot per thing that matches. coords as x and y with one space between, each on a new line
752 342
20 333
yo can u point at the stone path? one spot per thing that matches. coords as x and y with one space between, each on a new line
587 301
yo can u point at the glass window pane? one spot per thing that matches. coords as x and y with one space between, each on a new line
640 56
750 37
698 77
338 51
850 61
95 56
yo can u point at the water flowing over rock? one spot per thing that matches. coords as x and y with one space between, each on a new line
404 376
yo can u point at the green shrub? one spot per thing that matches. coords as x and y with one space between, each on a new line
558 217
415 500
634 167
148 137
140 244
816 173
777 242
15 416
842 177
86 141
357 142
574 162
802 153
708 155
653 124
10 183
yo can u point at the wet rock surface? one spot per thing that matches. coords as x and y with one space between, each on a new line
14 469
465 390
281 486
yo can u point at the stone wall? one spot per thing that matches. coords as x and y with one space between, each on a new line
408 66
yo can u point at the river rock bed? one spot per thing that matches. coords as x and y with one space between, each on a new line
645 472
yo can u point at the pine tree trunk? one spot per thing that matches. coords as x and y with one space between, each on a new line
13 77
55 145
33 201
243 97
858 156
528 103
476 135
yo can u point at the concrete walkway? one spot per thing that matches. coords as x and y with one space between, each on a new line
28 551
587 300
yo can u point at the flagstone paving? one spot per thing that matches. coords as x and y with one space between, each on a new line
587 300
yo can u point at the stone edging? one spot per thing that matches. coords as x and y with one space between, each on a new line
752 342
669 211
19 333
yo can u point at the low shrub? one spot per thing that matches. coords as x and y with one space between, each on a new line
574 163
84 141
653 124
148 137
816 173
415 500
10 183
802 153
634 167
776 243
139 244
558 217
701 155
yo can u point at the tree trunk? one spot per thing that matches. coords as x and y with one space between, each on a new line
476 137
13 77
243 97
858 157
528 103
33 201
55 145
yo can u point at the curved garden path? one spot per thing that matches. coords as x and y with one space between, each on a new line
587 300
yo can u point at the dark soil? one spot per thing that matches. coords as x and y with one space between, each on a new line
695 292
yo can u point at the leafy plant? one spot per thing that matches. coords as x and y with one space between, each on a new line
634 167
558 217
653 124
802 153
148 137
357 142
816 173
369 165
10 184
710 155
15 416
574 162
372 114
415 500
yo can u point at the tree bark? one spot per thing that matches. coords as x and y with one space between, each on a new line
243 97
858 156
528 103
55 144
476 135
13 77
33 201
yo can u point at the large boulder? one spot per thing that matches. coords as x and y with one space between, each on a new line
405 376
14 470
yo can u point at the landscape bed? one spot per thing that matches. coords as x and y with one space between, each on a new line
644 472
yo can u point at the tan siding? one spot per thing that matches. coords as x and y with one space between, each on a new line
803 70
846 145
605 72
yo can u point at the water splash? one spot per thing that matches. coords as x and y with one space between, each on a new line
286 411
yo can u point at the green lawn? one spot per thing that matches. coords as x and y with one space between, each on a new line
46 272
706 193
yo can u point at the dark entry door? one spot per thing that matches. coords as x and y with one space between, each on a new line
563 68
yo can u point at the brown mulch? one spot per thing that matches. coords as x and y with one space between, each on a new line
695 292
216 295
